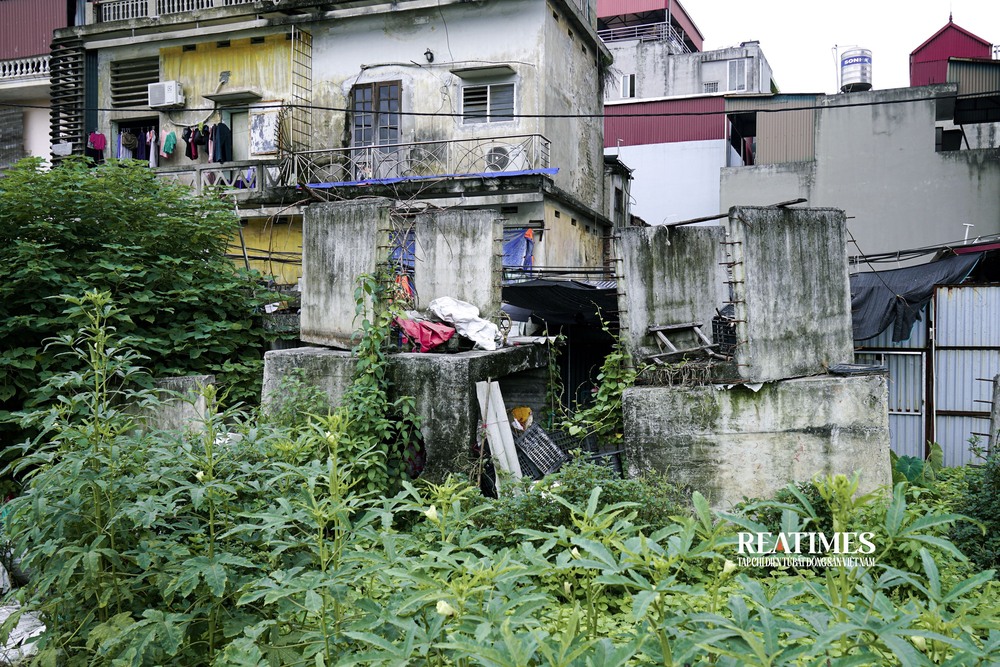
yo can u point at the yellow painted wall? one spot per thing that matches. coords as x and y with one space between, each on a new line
264 68
274 249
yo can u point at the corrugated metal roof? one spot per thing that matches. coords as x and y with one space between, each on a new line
929 61
789 136
26 26
622 130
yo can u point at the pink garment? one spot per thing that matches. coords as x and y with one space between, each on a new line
97 141
427 334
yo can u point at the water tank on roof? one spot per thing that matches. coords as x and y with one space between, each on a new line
855 70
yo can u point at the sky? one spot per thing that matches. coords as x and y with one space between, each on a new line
798 36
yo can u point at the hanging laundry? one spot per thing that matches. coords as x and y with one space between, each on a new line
140 146
190 135
223 144
96 143
151 138
126 145
167 143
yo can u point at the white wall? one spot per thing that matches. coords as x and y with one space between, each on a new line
674 181
36 130
878 164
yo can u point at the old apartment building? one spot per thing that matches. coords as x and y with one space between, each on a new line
277 104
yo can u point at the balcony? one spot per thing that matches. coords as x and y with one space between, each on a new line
647 32
421 160
24 69
107 11
371 165
243 179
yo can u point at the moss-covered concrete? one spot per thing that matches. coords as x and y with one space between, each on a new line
340 242
733 442
668 276
443 386
792 291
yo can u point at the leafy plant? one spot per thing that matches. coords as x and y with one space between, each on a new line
160 253
603 417
980 540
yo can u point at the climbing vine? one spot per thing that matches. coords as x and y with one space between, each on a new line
381 433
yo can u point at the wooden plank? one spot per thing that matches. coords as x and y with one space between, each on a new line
672 327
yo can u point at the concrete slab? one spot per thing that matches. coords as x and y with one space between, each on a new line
735 443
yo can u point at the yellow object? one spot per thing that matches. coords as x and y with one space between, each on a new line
522 418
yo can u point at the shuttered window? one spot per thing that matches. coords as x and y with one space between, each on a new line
488 103
130 81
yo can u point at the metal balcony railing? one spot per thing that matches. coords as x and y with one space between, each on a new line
232 178
106 11
422 159
648 32
21 69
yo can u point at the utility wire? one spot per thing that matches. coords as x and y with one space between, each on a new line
629 114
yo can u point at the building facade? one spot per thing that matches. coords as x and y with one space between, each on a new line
449 103
26 28
665 105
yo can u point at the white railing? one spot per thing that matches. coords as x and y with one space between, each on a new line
106 11
648 31
231 178
423 159
35 67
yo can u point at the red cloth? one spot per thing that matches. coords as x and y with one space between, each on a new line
426 334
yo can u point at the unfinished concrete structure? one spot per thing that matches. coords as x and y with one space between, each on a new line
769 412
445 253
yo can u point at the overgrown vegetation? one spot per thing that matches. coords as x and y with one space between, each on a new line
242 543
160 253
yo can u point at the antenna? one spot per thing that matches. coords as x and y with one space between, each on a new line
836 68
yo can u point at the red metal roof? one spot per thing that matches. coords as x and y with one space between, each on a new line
621 129
26 26
678 14
929 61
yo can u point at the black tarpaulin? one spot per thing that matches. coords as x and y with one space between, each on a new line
564 301
883 298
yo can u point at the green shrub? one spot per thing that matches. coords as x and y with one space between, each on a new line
157 249
655 500
981 502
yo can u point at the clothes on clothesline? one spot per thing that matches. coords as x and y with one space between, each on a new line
217 141
96 143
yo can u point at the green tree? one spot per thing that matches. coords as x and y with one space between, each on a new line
156 248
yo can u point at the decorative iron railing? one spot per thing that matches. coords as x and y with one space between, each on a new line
649 32
106 11
35 67
425 159
232 178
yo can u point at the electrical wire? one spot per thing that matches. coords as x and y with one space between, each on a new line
635 114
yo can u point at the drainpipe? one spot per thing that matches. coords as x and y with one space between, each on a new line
670 25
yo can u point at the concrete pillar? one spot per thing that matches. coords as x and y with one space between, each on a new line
994 415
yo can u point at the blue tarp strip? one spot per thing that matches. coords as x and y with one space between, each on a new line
405 179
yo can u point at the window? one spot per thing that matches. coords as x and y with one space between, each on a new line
628 85
738 74
488 103
711 87
375 114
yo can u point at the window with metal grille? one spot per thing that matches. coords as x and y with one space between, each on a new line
711 86
130 81
488 103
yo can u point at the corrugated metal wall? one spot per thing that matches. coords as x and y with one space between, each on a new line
782 136
906 362
26 26
622 130
974 77
929 62
967 356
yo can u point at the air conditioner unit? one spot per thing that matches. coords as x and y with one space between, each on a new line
166 95
505 157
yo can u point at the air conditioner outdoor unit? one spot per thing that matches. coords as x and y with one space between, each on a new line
166 95
506 157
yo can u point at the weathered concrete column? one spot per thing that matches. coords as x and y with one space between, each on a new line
994 415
